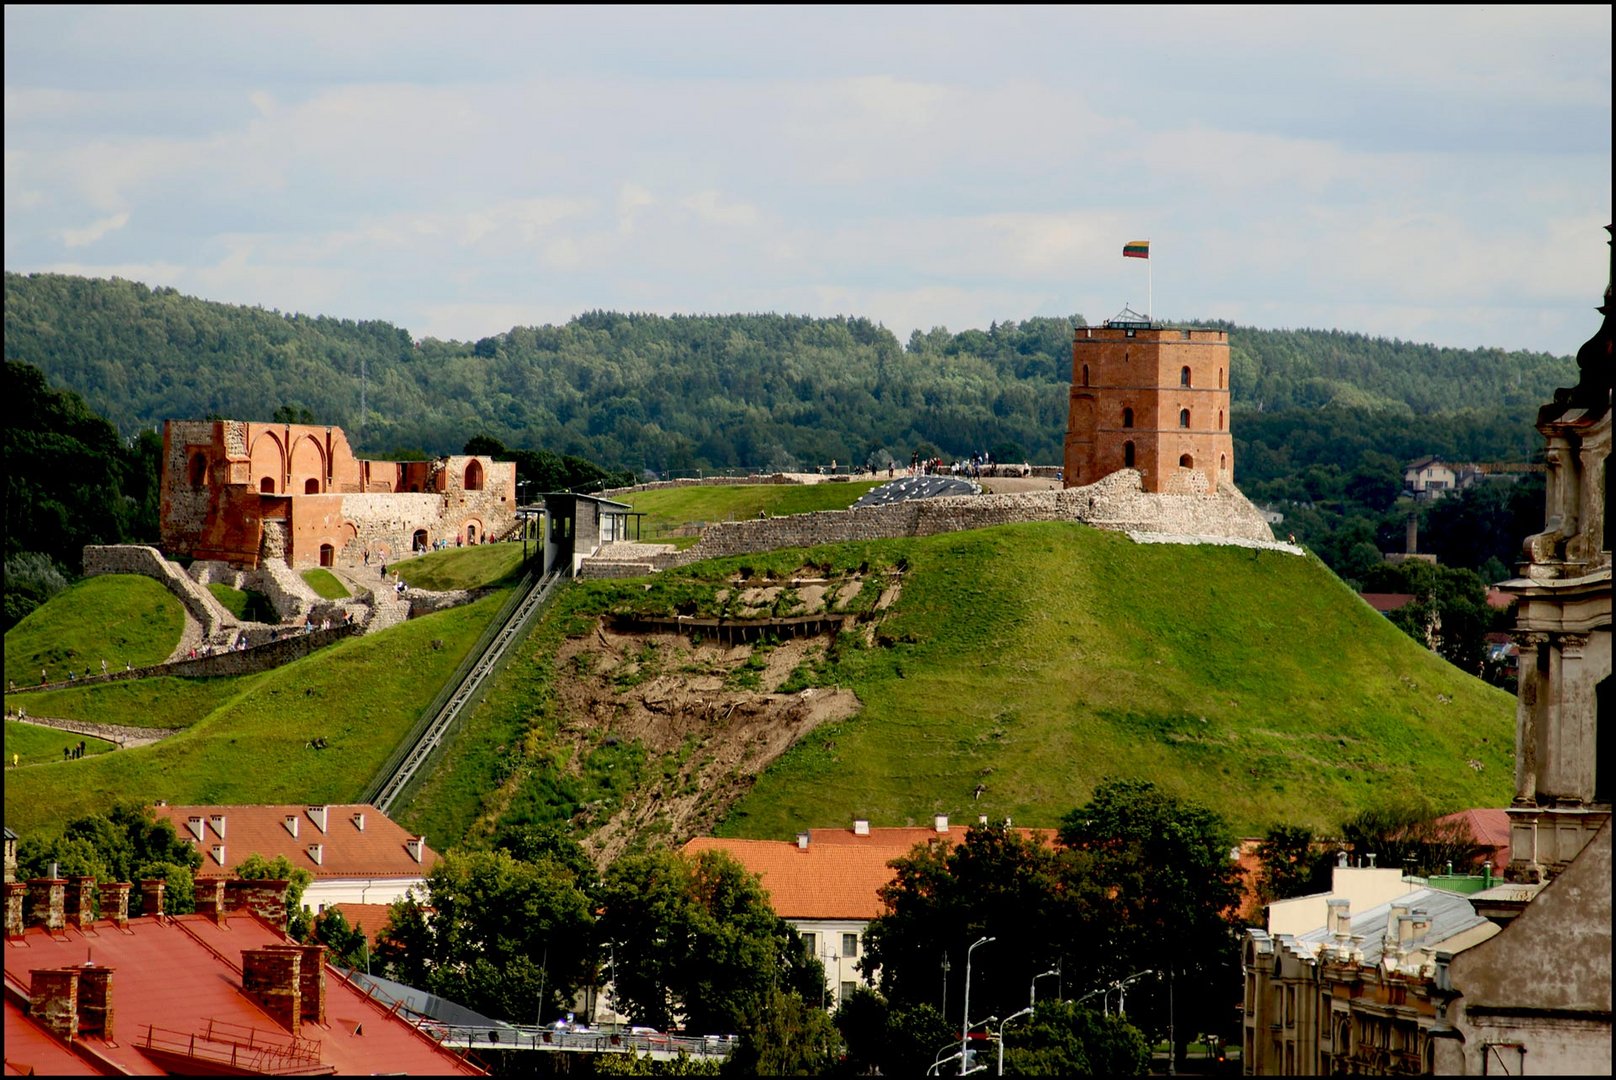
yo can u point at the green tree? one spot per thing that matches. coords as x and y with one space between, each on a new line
346 945
1290 865
783 1035
257 868
126 844
1062 1039
1174 892
507 938
1406 834
697 939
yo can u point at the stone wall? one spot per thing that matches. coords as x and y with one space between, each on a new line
703 481
1115 502
149 562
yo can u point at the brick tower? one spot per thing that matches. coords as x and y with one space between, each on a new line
1153 399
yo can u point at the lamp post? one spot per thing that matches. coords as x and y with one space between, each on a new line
945 983
1121 987
965 1017
1013 1016
1032 996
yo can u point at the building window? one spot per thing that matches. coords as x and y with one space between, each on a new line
267 485
847 990
474 476
1127 455
1183 418
849 944
1220 378
1185 461
1127 418
812 943
328 555
199 470
1184 377
311 486
1220 419
1085 374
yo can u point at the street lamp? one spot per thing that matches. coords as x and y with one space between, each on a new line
965 1017
1013 1016
1121 988
1032 996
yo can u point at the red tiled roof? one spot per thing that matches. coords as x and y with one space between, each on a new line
177 973
1387 601
839 873
347 851
1490 827
31 1050
372 918
1498 598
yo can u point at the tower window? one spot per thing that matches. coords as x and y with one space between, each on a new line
1085 374
1127 418
1220 419
1183 418
1220 378
1187 462
1184 377
1127 455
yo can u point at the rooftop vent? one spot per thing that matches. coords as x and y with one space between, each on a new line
217 851
317 815
317 853
359 822
861 827
940 822
194 826
216 821
802 841
416 845
291 824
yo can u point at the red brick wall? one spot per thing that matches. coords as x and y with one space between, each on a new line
1114 369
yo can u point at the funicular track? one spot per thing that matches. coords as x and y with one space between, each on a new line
462 689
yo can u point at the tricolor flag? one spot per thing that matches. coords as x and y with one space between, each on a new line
1136 249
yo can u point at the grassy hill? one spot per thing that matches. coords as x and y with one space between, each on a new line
1035 661
115 617
669 509
360 695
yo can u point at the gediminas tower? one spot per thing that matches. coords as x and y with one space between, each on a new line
1154 399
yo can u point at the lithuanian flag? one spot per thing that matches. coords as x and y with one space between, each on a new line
1136 249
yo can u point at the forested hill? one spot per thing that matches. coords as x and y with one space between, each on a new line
682 392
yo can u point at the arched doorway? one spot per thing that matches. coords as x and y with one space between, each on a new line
311 486
267 485
471 532
199 470
419 541
328 555
1185 461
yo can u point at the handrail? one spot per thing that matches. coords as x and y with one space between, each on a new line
461 690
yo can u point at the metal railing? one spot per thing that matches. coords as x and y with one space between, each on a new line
460 689
564 1040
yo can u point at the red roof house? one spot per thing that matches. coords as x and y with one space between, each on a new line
216 993
357 854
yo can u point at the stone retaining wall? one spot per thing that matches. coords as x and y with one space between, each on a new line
288 647
149 562
703 481
1116 502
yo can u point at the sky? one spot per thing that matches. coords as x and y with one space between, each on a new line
1437 174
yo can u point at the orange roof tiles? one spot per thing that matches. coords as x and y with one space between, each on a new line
371 918
1490 827
378 850
838 875
179 973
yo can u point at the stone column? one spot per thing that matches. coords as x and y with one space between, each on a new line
47 901
115 902
80 906
55 1000
16 898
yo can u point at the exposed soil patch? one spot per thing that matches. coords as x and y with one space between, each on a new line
709 715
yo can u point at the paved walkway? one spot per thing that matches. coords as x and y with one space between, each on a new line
120 735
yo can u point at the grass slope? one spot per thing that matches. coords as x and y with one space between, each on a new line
361 695
114 617
36 745
1038 660
461 568
669 508
325 584
163 702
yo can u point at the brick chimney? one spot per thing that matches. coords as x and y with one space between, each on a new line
266 899
210 897
47 901
115 902
151 895
80 901
317 815
95 1001
270 978
310 980
16 898
54 1000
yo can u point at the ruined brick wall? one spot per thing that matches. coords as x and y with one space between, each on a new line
702 481
149 562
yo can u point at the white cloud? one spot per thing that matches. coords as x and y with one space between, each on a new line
95 230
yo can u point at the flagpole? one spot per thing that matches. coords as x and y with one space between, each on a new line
1150 295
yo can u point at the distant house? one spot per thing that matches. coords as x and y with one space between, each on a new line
1490 827
1387 602
220 993
826 883
1432 478
357 854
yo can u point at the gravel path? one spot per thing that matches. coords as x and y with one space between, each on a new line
119 735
